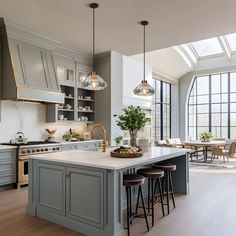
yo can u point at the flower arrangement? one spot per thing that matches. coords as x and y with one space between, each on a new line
50 134
206 136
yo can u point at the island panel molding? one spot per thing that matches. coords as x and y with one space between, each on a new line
93 194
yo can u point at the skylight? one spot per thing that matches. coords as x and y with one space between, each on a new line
231 38
207 47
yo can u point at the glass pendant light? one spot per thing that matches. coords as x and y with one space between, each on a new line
93 81
144 89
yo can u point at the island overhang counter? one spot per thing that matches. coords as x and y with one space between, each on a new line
82 190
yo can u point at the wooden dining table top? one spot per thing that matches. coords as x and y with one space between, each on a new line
203 144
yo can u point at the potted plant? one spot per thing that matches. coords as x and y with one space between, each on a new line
206 136
132 119
118 140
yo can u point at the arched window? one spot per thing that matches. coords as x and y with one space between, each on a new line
212 106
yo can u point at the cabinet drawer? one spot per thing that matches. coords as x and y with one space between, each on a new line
7 179
7 160
67 147
91 146
7 154
7 167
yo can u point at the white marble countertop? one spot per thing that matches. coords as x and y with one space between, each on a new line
103 160
6 147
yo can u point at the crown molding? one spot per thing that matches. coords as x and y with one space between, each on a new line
19 32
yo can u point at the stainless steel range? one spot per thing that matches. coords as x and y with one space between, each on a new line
30 148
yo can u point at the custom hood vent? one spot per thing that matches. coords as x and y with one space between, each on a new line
27 71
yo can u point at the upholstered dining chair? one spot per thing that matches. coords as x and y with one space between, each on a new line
227 151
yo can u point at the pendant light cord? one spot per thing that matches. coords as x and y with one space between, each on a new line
144 50
93 37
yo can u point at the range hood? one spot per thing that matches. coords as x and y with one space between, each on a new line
27 71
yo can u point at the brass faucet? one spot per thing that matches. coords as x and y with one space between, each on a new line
104 142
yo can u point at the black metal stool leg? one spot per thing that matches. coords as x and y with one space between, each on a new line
144 209
168 191
152 189
161 196
149 182
137 204
130 204
128 208
172 190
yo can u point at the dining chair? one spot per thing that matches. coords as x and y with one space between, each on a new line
227 151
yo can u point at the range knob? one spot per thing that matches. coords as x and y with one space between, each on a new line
23 151
42 149
38 150
28 151
58 148
33 150
53 149
46 149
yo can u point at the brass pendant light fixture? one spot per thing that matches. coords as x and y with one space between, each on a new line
144 89
93 81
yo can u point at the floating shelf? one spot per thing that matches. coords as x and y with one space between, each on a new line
86 100
86 111
61 109
67 97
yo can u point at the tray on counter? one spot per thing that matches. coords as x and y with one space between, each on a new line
126 155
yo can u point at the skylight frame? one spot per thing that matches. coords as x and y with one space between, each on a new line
228 43
191 45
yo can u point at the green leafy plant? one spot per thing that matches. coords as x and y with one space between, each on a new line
118 139
206 136
132 119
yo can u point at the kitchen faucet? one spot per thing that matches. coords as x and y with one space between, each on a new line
104 142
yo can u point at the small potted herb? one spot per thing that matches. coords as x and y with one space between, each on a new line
118 140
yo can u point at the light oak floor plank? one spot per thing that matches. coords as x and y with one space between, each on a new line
209 210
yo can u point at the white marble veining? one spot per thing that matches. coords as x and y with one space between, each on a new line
5 147
103 160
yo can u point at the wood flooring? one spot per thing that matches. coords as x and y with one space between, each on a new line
209 210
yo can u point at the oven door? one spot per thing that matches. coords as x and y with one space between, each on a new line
23 170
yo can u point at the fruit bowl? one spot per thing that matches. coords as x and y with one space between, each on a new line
126 152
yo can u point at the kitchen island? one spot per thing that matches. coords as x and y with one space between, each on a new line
82 190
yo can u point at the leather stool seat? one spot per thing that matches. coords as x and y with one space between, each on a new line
133 179
165 167
151 173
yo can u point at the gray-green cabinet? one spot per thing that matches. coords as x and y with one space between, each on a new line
83 187
79 103
76 193
51 188
83 145
7 166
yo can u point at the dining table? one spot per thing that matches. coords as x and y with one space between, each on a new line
204 145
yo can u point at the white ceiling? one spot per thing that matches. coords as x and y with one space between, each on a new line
172 22
166 62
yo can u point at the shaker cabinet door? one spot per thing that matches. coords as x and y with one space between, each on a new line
51 188
85 196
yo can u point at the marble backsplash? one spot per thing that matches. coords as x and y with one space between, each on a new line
30 118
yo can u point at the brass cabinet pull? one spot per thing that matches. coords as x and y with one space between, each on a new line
68 175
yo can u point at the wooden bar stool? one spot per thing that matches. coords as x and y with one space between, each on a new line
130 180
152 174
167 182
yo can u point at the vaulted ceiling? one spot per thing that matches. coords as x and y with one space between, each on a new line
171 22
